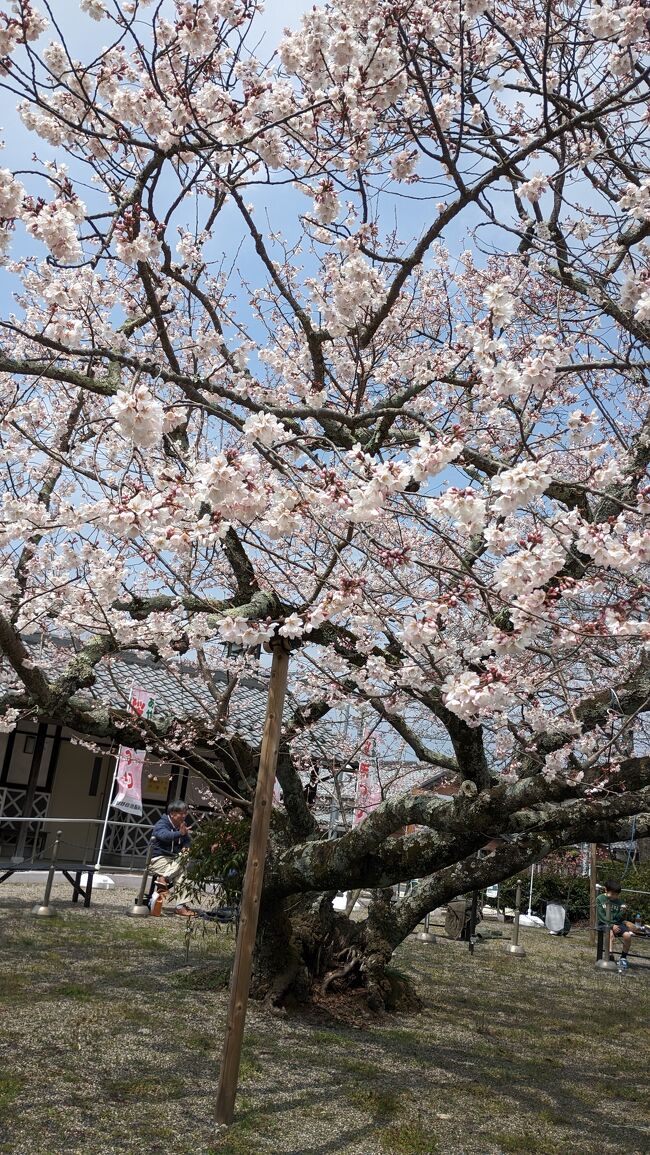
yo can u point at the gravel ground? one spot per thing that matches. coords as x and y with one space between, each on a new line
110 1039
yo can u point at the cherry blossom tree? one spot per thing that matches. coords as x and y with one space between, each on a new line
345 343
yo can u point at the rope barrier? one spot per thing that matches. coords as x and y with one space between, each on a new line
37 820
39 859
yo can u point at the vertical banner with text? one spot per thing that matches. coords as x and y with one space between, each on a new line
130 762
368 795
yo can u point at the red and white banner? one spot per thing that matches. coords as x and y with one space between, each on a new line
128 774
142 702
129 781
368 795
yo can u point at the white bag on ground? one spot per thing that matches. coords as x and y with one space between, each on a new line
556 919
530 920
100 882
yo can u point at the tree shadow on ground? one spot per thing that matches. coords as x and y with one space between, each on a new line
497 1049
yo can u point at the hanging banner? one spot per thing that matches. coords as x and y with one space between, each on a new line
129 781
128 772
368 795
142 703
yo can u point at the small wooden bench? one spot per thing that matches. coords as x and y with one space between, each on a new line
71 871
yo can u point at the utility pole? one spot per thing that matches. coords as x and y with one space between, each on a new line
252 888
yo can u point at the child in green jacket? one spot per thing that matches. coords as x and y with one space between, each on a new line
619 927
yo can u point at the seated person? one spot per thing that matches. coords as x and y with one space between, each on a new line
169 837
619 927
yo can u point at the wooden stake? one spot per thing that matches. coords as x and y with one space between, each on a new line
353 898
252 888
592 894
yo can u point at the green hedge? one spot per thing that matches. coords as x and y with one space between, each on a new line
573 893
637 878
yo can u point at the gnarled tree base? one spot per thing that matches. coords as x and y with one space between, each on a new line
319 955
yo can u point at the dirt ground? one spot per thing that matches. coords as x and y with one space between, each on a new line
110 1041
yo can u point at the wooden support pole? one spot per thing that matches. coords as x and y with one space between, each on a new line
252 888
353 898
592 893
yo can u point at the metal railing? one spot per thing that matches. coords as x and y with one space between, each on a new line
127 839
88 848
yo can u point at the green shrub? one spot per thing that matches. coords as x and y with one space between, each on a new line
573 892
636 878
218 854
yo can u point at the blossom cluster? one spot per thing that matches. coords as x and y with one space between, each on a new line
261 378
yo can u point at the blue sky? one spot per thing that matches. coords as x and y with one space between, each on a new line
84 36
411 208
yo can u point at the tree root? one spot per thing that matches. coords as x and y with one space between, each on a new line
342 973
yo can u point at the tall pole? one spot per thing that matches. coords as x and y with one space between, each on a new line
514 947
252 888
353 898
530 893
472 921
592 894
603 962
139 908
44 910
111 791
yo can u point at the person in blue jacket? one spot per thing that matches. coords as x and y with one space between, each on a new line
169 837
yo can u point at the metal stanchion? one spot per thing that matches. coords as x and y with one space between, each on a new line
600 942
140 908
472 922
426 935
514 947
603 961
44 910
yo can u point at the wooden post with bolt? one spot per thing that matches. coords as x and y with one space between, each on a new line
252 887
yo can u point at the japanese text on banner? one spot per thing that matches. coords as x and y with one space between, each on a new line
130 762
368 795
129 781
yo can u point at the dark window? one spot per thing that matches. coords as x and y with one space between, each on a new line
95 776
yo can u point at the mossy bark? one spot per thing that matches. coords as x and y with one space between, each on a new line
306 950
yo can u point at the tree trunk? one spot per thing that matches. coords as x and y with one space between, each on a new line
277 962
385 992
307 953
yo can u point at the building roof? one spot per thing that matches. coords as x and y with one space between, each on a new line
181 691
